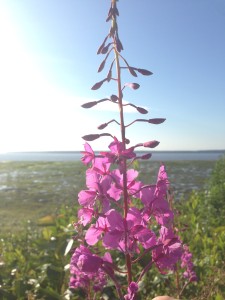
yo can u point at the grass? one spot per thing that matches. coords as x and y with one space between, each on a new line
32 190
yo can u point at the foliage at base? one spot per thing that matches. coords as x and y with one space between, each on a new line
33 264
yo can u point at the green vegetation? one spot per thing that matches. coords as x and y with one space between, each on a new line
32 261
203 214
30 190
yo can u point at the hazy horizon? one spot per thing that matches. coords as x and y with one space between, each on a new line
97 150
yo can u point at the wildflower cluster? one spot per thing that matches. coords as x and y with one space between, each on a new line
118 212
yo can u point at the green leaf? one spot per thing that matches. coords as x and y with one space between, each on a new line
50 292
219 297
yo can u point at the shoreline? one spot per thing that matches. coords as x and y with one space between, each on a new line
76 155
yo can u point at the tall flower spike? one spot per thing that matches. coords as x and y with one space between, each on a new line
108 204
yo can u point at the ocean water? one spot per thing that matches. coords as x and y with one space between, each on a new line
76 156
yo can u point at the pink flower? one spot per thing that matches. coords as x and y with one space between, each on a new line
85 215
86 269
95 232
132 228
154 199
186 262
133 187
132 291
169 250
117 152
98 186
83 260
101 166
88 154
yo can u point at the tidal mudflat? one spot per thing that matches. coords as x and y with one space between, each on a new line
31 190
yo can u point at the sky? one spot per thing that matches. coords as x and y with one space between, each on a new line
48 64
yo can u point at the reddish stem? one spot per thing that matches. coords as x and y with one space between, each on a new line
124 164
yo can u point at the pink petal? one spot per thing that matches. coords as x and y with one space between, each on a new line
93 235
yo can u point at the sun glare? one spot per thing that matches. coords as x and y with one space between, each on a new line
34 113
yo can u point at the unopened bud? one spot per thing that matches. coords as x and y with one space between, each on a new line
89 104
151 144
102 45
133 86
90 137
102 65
97 85
102 126
132 72
144 72
105 49
141 110
114 98
109 75
119 45
156 120
146 156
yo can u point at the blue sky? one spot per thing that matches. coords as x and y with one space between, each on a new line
48 64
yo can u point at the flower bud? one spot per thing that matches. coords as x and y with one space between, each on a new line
102 126
133 86
102 45
90 137
144 72
105 49
132 72
101 67
156 120
146 156
89 104
151 144
119 45
97 85
114 98
109 75
141 110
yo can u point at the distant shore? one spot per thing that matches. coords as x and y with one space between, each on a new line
76 155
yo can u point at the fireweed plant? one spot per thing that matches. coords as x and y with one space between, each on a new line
119 213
